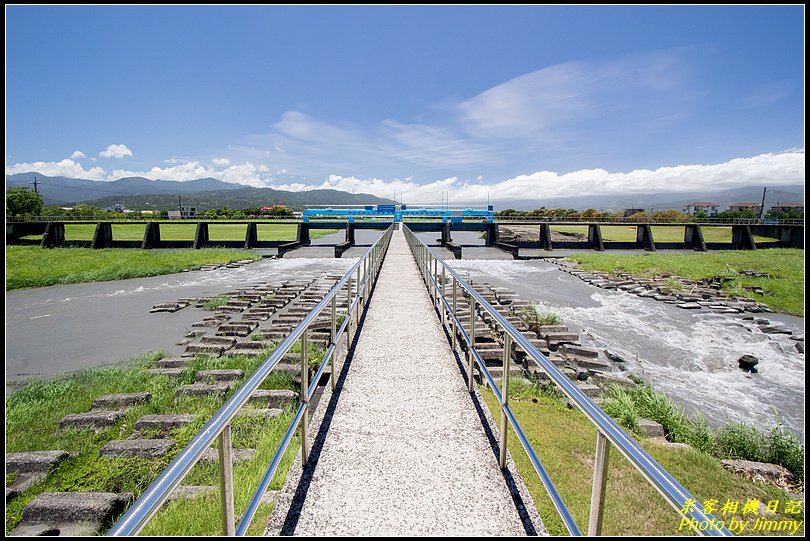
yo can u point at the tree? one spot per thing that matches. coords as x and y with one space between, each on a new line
22 201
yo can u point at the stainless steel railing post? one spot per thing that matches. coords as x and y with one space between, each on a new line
304 396
348 312
441 296
507 356
334 341
455 317
470 356
600 470
226 481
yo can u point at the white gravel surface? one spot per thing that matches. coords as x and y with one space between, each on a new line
405 453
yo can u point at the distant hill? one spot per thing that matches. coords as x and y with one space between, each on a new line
244 197
63 190
663 201
140 193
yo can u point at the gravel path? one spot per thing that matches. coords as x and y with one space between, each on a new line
405 453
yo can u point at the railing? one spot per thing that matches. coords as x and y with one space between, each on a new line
151 218
435 272
648 220
498 219
139 514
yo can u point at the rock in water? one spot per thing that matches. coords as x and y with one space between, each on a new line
748 363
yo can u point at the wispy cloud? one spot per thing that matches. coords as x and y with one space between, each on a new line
77 154
116 151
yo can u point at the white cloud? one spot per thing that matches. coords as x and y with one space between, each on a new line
116 151
246 173
64 168
772 169
77 154
221 161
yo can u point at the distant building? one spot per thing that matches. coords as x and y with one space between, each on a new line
742 207
115 208
701 206
630 212
184 213
788 207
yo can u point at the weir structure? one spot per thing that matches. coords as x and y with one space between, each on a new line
405 454
50 233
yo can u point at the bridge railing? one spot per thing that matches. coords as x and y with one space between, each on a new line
356 283
150 218
619 220
435 273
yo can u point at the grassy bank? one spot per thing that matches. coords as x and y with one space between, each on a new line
783 289
185 231
565 441
33 414
661 233
32 266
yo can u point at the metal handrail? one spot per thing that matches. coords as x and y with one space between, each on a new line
557 220
563 220
434 271
139 514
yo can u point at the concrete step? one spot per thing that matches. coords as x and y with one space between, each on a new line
121 401
164 422
70 513
207 349
572 351
273 398
219 375
546 329
594 364
171 363
237 455
218 341
204 389
242 328
592 391
34 461
169 372
92 419
168 307
139 448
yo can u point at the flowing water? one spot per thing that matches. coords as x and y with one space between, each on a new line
689 355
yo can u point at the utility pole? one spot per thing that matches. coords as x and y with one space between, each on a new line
762 206
35 183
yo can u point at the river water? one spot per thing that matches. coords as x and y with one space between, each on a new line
689 355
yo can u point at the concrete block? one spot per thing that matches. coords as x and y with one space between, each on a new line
163 422
204 389
219 375
91 419
273 398
34 461
125 400
136 448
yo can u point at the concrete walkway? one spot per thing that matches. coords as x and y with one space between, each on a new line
405 453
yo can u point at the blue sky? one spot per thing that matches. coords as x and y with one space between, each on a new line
418 100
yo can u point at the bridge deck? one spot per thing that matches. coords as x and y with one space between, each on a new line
405 453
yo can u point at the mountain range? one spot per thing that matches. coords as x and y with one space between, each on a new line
141 193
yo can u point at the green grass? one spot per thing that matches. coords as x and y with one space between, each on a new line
783 289
737 441
186 231
33 414
661 233
565 441
212 303
31 266
535 319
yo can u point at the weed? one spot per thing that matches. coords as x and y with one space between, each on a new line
212 303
